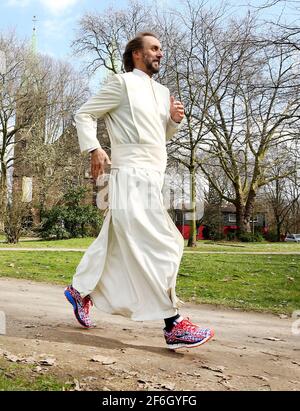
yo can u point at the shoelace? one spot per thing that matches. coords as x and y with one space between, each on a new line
187 324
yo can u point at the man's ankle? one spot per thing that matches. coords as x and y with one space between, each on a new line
172 321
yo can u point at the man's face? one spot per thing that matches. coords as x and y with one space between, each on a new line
150 55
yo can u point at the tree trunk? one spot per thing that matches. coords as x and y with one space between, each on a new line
3 194
278 229
192 242
242 220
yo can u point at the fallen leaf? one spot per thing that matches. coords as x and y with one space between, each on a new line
273 339
108 362
170 387
28 360
103 360
12 358
77 385
47 361
260 377
89 379
215 369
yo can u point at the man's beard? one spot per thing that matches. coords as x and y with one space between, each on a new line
150 67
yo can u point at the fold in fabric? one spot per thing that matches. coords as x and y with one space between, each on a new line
131 268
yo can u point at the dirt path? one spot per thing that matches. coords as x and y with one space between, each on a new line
249 352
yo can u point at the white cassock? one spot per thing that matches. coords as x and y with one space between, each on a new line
131 268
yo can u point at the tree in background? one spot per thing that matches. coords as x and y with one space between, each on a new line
241 93
71 217
38 99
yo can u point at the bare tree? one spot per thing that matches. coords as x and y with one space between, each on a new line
38 99
102 36
282 195
254 106
241 93
20 104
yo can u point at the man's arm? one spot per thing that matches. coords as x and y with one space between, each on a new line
106 100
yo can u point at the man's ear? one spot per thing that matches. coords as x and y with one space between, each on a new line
136 53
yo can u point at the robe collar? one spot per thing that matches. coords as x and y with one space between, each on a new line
141 73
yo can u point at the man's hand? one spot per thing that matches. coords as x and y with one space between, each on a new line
98 161
176 110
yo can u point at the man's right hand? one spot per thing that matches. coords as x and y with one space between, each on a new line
99 159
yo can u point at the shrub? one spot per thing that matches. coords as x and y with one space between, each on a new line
216 236
251 238
271 236
71 219
231 236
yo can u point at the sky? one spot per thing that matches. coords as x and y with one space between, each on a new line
58 19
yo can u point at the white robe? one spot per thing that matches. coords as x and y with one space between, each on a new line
131 268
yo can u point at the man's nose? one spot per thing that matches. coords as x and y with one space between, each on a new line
160 54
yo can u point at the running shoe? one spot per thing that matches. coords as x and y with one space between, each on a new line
185 334
81 306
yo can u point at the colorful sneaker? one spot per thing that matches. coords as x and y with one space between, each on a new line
81 306
185 334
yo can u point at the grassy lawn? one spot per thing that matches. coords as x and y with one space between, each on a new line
70 243
201 245
21 377
259 282
262 282
231 246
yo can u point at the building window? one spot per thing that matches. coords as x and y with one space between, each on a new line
232 218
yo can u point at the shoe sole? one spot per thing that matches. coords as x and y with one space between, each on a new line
72 301
185 345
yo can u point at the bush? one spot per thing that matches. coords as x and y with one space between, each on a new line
251 238
71 219
271 236
231 236
216 236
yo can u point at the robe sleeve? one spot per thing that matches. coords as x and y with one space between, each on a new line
106 100
172 128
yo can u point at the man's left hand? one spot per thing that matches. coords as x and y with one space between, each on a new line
176 110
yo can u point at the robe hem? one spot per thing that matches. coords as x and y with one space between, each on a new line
151 317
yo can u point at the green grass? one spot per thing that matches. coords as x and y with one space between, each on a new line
54 267
68 243
201 245
231 246
21 377
259 282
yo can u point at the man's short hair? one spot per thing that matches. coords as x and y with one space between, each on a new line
135 44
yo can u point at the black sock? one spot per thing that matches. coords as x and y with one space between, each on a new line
170 321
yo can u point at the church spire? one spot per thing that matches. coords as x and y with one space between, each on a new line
33 38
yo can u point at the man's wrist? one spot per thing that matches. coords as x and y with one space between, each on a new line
91 151
176 122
